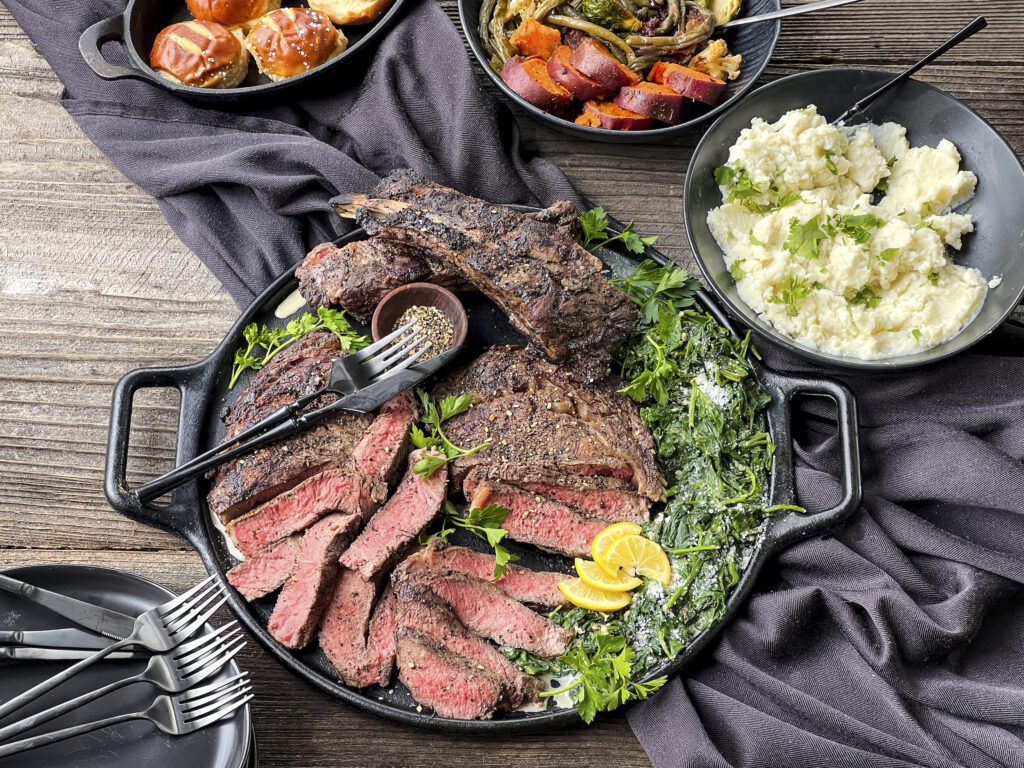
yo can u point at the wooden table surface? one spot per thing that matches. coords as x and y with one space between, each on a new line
93 283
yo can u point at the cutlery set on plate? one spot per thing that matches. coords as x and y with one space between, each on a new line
178 662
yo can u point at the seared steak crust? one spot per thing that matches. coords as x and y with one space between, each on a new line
382 448
265 571
550 287
358 275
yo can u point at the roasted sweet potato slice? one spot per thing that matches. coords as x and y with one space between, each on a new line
565 74
595 61
688 82
530 79
532 38
653 100
615 118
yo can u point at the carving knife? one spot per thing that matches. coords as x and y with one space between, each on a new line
98 619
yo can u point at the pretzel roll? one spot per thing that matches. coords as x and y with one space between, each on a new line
231 13
351 11
291 41
202 54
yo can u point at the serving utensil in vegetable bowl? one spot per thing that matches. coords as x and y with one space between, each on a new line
929 115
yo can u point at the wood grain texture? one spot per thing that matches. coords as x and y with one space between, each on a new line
93 283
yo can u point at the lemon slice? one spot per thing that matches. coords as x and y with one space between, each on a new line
637 556
604 539
585 596
595 576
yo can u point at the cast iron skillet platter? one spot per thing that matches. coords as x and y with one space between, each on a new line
228 744
755 42
203 398
930 115
137 28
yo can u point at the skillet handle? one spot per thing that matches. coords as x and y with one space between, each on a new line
181 515
90 44
797 526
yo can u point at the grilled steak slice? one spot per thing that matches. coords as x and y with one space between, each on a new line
265 571
606 498
485 609
359 648
443 681
522 584
358 275
420 609
335 490
301 368
536 520
306 593
415 503
381 450
539 417
550 287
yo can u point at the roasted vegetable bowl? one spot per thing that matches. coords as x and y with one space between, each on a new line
624 71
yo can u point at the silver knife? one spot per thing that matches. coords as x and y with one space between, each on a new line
98 619
54 638
61 654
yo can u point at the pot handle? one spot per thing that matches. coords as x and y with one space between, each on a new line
797 526
90 44
180 516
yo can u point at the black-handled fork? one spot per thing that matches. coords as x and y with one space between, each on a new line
371 365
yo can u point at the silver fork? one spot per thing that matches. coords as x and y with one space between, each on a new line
177 715
159 629
173 672
349 374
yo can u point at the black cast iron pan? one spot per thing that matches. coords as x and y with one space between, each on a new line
204 396
137 28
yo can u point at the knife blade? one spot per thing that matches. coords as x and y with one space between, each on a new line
98 619
17 653
372 397
54 638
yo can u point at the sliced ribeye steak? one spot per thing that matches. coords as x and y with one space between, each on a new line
333 490
607 498
447 683
483 608
382 448
360 648
414 504
551 288
522 584
358 275
536 416
267 570
307 591
420 609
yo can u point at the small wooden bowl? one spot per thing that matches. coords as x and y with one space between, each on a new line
395 303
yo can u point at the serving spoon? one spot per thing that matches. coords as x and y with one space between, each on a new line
796 10
975 26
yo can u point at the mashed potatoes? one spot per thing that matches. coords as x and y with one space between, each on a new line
813 256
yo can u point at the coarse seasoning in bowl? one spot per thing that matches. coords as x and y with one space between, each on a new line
887 244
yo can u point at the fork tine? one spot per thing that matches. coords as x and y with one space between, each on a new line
213 692
365 352
200 643
184 596
188 629
216 660
204 690
199 654
187 605
385 359
197 712
185 615
404 364
219 715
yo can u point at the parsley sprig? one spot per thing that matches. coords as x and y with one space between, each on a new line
794 294
273 340
654 288
804 238
594 224
483 523
434 415
604 680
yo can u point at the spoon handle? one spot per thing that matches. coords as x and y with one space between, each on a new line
975 26
793 11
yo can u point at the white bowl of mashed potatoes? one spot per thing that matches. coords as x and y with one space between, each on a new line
867 246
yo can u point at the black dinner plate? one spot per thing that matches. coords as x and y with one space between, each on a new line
227 744
995 248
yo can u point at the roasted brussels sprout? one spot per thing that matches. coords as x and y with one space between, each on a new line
611 14
724 10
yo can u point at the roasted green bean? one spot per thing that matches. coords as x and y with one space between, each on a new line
595 30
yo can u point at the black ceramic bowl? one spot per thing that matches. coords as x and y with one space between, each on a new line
142 20
755 42
995 247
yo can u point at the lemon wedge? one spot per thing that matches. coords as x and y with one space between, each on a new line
636 556
604 539
586 596
595 576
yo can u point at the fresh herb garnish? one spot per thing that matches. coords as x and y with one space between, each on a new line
804 238
737 180
434 415
865 297
273 340
594 224
736 270
654 288
485 524
830 164
917 333
858 228
933 278
886 255
752 238
794 294
604 677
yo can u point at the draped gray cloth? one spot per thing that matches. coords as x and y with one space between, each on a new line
895 642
